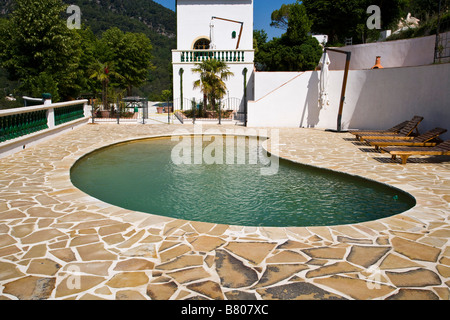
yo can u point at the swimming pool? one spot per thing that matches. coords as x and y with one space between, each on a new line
159 176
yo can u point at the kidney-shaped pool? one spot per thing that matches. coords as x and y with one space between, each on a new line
230 181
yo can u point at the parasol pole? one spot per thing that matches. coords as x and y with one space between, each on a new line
344 86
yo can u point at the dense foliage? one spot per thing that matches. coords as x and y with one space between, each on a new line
296 50
141 22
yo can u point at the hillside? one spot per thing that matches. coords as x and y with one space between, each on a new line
144 16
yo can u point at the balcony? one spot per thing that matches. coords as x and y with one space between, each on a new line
229 56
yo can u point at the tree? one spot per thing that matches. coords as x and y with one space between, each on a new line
213 74
340 19
102 73
280 17
40 50
131 53
296 50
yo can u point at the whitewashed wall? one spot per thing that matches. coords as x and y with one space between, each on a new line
194 18
375 99
400 53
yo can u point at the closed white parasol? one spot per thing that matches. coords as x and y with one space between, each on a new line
323 81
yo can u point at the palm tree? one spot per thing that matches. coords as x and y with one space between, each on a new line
102 71
213 74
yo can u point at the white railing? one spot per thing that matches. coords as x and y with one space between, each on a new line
18 126
229 56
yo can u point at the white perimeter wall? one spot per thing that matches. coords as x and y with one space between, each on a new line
375 99
400 53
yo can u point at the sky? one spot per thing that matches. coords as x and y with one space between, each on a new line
262 11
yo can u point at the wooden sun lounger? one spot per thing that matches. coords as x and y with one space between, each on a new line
424 140
442 149
404 133
394 129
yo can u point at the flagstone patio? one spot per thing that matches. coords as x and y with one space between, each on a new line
56 242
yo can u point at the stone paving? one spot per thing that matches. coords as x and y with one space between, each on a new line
56 242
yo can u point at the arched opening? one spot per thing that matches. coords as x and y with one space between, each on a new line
202 44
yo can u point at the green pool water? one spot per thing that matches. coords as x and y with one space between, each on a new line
143 176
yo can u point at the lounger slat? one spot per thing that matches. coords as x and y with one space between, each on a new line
404 133
442 149
421 141
409 128
394 129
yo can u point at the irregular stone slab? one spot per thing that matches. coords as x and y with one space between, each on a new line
161 291
175 252
393 261
42 235
93 268
40 212
115 228
202 227
414 250
82 240
335 268
326 253
286 256
6 240
128 279
23 230
74 284
181 262
366 256
208 288
31 288
6 251
254 252
276 272
80 216
46 200
66 255
232 272
353 240
205 243
414 294
130 242
442 233
95 252
145 251
240 295
290 244
356 288
43 266
12 214
134 265
414 278
129 295
443 271
189 275
9 271
297 291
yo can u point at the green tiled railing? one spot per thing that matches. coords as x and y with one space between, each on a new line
15 123
70 113
18 125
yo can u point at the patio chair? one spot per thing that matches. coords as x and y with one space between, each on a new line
394 129
405 133
428 139
442 149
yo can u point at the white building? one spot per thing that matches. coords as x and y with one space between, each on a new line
221 29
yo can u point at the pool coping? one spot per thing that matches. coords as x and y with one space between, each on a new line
339 256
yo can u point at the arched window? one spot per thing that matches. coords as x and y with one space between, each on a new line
202 44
